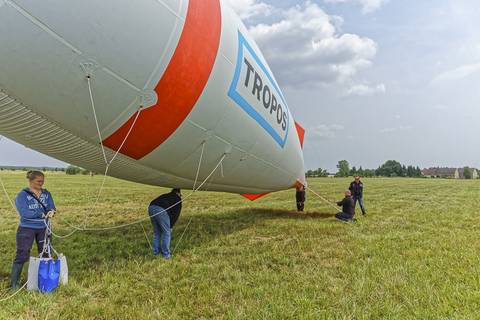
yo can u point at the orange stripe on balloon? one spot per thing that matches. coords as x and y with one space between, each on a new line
181 85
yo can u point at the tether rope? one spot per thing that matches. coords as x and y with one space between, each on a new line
14 294
107 166
191 217
95 115
166 209
323 198
84 228
5 189
146 218
100 138
146 237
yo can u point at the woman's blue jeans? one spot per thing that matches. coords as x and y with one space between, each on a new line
162 233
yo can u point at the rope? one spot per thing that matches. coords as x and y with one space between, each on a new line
97 198
322 198
95 116
14 294
199 165
146 237
127 135
183 233
15 210
68 235
107 166
76 229
5 189
191 218
6 194
166 209
107 163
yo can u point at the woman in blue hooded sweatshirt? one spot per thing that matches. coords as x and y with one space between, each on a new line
34 205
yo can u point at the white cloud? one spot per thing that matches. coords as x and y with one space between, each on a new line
368 6
324 131
365 90
456 74
305 47
247 9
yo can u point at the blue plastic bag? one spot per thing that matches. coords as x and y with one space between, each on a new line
48 275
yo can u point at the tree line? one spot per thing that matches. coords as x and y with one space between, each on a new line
390 168
73 170
21 168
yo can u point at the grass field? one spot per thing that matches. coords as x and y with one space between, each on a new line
414 256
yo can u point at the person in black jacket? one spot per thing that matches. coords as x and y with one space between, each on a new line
164 212
300 197
356 188
348 207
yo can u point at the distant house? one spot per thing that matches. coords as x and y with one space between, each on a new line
448 173
461 174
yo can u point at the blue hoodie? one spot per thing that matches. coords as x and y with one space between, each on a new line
30 211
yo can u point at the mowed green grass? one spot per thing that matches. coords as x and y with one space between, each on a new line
415 256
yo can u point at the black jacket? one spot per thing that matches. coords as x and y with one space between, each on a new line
348 205
172 203
356 189
300 195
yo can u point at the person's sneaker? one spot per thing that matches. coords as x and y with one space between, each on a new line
167 257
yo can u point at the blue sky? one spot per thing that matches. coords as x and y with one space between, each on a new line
370 80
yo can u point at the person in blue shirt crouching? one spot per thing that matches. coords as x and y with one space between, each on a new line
34 205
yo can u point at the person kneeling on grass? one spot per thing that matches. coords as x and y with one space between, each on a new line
348 208
164 212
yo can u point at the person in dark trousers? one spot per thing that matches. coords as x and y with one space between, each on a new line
164 212
300 197
34 205
356 188
348 208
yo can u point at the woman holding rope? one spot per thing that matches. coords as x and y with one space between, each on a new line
34 205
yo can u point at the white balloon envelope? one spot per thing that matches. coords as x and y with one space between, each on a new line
169 79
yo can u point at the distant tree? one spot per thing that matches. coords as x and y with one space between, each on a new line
368 173
467 173
391 168
322 172
72 170
354 171
418 172
410 171
343 168
316 173
360 172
